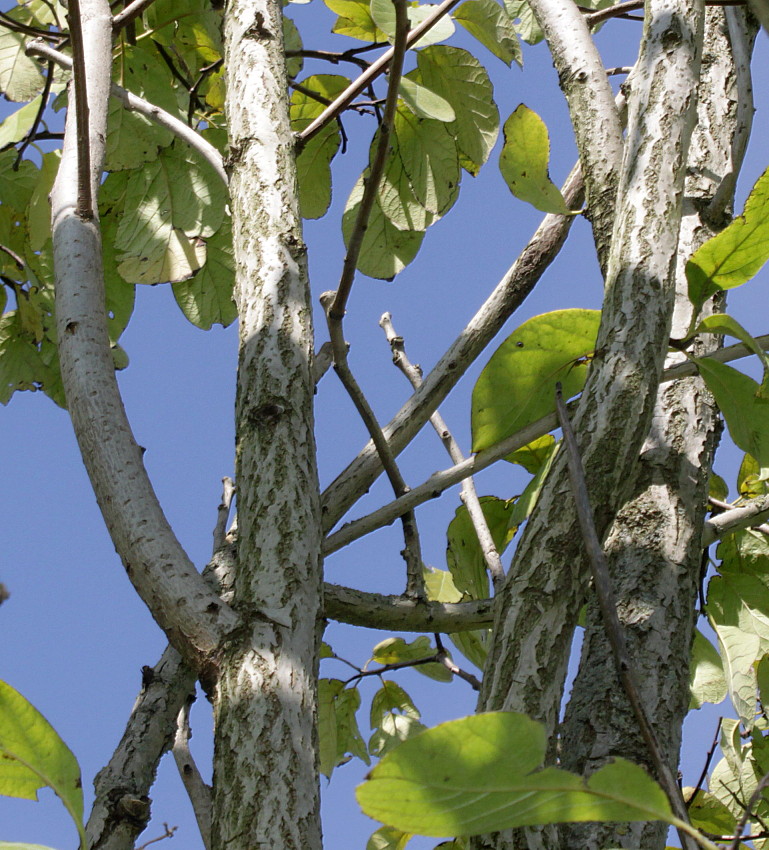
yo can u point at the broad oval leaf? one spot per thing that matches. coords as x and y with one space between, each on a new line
387 838
13 845
481 774
736 254
425 103
706 673
524 21
524 160
492 26
517 386
355 20
33 756
383 14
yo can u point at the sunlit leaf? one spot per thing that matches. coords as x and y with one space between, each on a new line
527 501
17 124
524 21
440 586
481 774
396 650
388 838
292 41
383 14
750 482
708 813
355 20
706 673
524 162
532 456
736 254
425 103
393 730
721 323
517 386
39 208
389 699
337 727
20 77
492 26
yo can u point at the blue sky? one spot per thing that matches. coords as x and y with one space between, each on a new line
74 634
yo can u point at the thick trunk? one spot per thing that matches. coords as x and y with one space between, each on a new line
266 781
654 547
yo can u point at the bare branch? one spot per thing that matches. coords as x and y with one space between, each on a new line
746 815
744 516
187 609
508 295
374 70
223 513
469 494
197 790
402 613
443 658
130 13
322 362
169 832
154 113
607 602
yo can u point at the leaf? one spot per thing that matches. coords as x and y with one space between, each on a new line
440 586
533 455
737 253
392 732
491 25
39 208
750 483
16 186
706 673
337 727
708 813
524 161
18 124
383 14
425 103
21 367
386 250
527 501
458 77
526 26
517 385
718 488
13 845
313 164
20 77
745 412
480 774
387 838
206 298
33 756
395 650
292 41
355 20
387 700
720 323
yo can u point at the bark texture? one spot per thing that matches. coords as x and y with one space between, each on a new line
265 772
654 548
546 586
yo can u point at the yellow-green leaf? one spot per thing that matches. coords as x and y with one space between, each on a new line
425 103
706 673
492 26
383 14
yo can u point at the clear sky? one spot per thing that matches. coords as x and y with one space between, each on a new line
74 634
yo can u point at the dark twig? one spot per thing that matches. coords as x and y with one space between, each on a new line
203 73
16 26
130 13
706 766
746 815
84 198
169 60
469 494
608 605
223 513
32 132
329 56
169 833
374 70
443 655
14 256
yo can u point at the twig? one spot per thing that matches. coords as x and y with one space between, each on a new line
744 516
32 132
620 10
148 110
204 72
20 264
373 71
608 605
443 655
330 56
130 13
706 766
469 494
16 26
752 802
322 362
84 198
223 513
169 833
197 790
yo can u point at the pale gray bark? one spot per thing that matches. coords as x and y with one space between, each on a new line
547 582
265 772
654 548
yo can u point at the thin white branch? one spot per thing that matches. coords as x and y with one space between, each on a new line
131 11
134 103
187 609
197 790
744 516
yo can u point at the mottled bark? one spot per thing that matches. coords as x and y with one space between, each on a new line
654 548
265 772
547 582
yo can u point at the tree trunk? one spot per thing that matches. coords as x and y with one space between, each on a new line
265 771
654 548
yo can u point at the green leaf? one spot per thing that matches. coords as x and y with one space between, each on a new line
33 756
21 366
383 14
463 553
313 164
292 41
355 20
458 77
745 412
392 732
492 26
526 26
13 845
480 774
706 673
737 253
18 124
386 249
708 813
750 482
387 838
16 186
206 298
473 645
389 699
425 103
524 162
534 455
721 323
20 77
517 386
527 501
440 586
397 651
39 207
762 678
337 727
718 488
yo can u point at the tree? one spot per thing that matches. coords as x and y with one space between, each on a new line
213 205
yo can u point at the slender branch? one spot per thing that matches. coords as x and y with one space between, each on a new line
322 362
706 766
154 113
722 355
223 513
752 803
84 195
130 13
330 56
469 494
169 832
443 658
375 69
20 264
402 613
16 26
744 516
197 790
620 10
506 297
608 605
204 72
32 132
